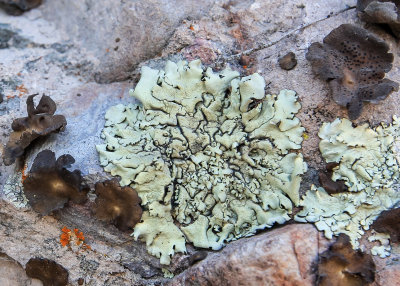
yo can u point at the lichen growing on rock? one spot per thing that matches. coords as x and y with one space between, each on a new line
354 62
14 191
368 162
208 154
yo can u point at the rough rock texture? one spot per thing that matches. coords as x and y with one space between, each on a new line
59 47
12 273
121 34
282 257
24 235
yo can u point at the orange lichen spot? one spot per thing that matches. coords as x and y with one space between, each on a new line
75 237
191 27
23 172
79 236
22 90
65 236
64 241
107 50
245 67
10 96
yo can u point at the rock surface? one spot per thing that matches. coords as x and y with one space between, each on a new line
120 34
75 51
12 273
281 257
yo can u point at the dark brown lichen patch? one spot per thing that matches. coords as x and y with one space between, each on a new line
17 7
353 62
341 265
331 186
40 122
382 12
389 222
288 61
118 205
197 256
49 185
47 271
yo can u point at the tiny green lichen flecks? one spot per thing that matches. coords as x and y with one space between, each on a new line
368 162
208 154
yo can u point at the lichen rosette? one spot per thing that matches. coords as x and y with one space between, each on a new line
210 155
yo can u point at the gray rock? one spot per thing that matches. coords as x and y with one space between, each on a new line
121 34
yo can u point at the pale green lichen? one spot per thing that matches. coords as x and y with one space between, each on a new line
208 154
167 273
14 191
383 250
368 163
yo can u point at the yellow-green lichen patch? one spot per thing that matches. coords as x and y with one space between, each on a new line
368 164
208 154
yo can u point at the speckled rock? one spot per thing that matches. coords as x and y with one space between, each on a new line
281 257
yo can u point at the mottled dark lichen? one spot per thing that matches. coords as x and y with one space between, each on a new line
331 186
40 121
341 265
381 12
49 185
118 205
389 222
47 271
354 62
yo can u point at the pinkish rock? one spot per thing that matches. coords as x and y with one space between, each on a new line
388 269
13 274
280 257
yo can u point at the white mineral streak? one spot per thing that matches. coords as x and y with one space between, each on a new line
207 153
369 165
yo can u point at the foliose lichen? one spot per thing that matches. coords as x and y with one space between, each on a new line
14 191
208 154
368 162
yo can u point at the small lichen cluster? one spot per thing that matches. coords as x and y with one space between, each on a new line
208 154
368 162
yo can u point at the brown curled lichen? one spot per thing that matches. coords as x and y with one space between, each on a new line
47 271
382 12
17 7
331 186
341 265
353 62
288 61
116 204
40 121
197 256
389 222
49 185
